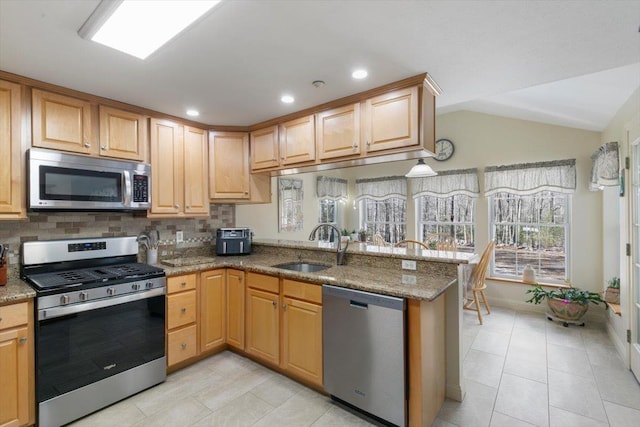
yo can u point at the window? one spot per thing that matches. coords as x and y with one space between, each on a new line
531 229
383 207
446 205
453 215
387 217
331 193
290 197
328 214
530 218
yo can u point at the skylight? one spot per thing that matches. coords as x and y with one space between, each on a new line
140 27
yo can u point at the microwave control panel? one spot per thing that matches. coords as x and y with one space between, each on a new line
141 188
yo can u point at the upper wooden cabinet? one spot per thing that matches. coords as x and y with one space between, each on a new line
297 141
338 132
123 134
229 165
392 120
179 170
61 122
12 175
265 151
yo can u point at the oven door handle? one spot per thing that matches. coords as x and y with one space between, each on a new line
53 312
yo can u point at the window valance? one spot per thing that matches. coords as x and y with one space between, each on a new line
530 178
447 183
381 188
605 164
332 188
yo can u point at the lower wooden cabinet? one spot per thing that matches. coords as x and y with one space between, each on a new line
212 309
182 332
182 344
235 308
17 403
263 323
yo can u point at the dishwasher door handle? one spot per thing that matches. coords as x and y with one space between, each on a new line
360 305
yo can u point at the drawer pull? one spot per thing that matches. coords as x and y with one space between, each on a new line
23 340
284 306
274 303
183 284
183 345
183 310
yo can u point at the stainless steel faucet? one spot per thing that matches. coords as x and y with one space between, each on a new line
340 252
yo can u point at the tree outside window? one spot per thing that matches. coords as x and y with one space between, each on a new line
453 215
387 217
531 229
328 214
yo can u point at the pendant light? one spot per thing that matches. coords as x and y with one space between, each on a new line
421 170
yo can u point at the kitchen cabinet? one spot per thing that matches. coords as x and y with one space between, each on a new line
392 120
181 319
265 150
179 167
17 405
12 146
338 132
229 165
212 309
297 141
235 298
301 337
263 318
61 122
123 134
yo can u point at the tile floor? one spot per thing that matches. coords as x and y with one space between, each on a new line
520 370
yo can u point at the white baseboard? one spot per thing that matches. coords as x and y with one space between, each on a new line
596 313
621 347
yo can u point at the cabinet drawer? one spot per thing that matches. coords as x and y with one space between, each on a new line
14 315
181 309
303 291
264 282
181 345
181 283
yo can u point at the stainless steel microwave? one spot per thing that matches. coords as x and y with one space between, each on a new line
71 182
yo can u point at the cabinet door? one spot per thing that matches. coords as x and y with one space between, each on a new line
302 339
297 141
235 308
62 123
392 120
14 377
167 182
181 345
262 325
264 148
229 165
338 132
123 134
196 170
212 309
12 178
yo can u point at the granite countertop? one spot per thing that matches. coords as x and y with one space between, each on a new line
374 250
401 283
15 290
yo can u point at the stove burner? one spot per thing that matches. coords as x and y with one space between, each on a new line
85 276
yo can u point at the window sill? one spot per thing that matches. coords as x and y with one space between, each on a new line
551 285
615 308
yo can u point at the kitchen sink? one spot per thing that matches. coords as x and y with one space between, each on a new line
304 267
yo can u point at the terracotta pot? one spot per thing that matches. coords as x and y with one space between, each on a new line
612 295
567 310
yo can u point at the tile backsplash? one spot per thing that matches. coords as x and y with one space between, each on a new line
198 232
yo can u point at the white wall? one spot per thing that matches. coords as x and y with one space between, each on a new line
624 125
484 140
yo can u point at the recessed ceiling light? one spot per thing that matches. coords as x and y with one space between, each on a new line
287 99
139 28
193 113
359 74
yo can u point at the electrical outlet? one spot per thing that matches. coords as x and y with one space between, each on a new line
179 237
408 264
409 279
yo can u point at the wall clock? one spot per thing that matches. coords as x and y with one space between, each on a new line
444 149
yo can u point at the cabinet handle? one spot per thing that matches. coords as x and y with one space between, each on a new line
368 143
284 306
282 158
177 206
183 310
183 284
246 192
187 207
23 340
355 146
103 148
87 145
183 345
274 303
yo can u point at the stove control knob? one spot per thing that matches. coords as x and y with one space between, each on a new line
83 296
135 286
64 299
149 285
111 291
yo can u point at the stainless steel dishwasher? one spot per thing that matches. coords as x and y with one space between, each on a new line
364 351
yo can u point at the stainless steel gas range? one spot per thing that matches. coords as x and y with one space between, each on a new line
99 318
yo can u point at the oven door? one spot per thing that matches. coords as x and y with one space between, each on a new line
85 343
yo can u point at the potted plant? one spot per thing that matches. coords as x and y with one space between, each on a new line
354 235
345 234
612 294
363 235
568 304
